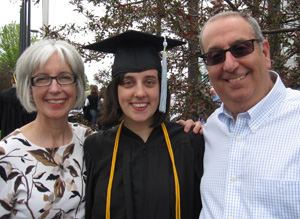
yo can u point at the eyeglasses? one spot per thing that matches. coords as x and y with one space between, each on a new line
46 80
237 50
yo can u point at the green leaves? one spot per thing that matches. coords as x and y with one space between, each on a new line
9 44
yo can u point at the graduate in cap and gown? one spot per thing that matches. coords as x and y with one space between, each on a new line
144 167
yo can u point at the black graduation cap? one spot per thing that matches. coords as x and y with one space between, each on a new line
134 51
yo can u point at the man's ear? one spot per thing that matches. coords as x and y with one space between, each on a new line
266 52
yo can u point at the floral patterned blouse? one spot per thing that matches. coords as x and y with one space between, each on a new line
38 182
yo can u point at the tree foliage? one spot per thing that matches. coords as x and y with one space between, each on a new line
9 52
9 44
182 20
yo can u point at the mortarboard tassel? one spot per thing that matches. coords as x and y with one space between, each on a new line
163 91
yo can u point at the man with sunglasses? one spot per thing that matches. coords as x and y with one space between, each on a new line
252 142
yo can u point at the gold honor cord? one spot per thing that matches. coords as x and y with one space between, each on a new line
112 171
14 76
177 188
113 164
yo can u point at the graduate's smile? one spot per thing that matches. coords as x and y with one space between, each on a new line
139 106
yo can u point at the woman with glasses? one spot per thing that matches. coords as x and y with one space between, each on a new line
42 170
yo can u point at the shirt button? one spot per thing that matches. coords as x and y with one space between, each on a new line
230 218
238 138
233 178
253 128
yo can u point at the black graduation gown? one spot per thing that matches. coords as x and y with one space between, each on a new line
143 185
12 113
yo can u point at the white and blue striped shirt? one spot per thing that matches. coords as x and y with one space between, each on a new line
252 165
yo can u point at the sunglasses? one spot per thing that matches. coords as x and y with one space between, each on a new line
237 50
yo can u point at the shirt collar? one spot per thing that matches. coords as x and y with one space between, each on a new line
262 110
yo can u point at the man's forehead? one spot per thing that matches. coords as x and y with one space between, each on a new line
224 32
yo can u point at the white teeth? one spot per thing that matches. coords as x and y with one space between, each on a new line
56 101
237 79
139 104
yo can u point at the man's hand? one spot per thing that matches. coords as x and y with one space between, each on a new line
188 125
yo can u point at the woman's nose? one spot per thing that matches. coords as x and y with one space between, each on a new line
54 86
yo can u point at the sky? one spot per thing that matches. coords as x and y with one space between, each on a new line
60 12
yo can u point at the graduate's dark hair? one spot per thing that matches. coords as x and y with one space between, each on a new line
111 112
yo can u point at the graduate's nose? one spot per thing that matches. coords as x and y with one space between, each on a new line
139 90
